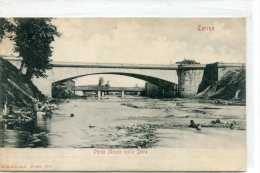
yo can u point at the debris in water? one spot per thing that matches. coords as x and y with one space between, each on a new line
232 125
168 116
216 122
199 127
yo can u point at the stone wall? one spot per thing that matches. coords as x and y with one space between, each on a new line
214 72
210 76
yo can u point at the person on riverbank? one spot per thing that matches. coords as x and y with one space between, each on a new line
10 114
43 110
39 110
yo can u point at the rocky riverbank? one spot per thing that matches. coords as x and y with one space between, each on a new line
20 100
181 111
181 115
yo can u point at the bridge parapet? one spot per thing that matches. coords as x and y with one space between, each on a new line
225 65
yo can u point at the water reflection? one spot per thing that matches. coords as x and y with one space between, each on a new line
27 134
95 123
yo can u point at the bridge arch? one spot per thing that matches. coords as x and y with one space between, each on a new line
153 80
163 86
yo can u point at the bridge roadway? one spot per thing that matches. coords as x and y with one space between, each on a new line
125 66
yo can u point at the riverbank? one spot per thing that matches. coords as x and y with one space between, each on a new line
21 102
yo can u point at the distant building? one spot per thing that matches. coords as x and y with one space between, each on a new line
63 89
68 85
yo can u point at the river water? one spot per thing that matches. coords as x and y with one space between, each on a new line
110 123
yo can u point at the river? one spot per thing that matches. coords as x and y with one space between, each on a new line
132 122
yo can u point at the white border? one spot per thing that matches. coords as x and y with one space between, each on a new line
253 84
122 8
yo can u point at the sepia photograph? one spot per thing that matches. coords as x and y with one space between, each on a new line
124 85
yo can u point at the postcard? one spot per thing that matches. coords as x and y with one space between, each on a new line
123 94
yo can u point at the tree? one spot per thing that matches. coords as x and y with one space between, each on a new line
107 84
32 41
5 28
101 81
33 38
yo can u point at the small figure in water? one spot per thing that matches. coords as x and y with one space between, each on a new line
71 115
192 124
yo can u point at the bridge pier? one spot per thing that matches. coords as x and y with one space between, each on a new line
189 81
176 90
122 94
99 94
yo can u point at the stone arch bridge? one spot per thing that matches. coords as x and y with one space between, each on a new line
183 79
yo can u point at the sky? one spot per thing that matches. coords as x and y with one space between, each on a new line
147 40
